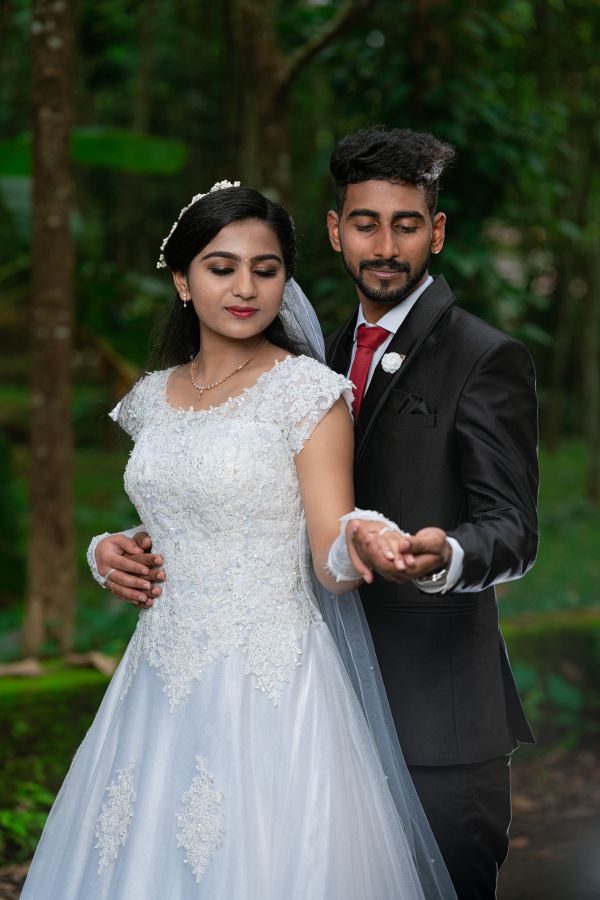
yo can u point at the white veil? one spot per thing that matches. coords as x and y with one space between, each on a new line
346 620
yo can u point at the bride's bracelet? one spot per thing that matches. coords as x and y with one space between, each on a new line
338 562
91 552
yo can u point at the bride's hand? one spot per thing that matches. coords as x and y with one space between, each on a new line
131 568
377 547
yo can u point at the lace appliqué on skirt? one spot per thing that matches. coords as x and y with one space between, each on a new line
201 822
113 821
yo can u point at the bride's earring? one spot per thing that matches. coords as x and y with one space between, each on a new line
184 297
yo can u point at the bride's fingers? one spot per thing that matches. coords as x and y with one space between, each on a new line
358 563
376 551
392 545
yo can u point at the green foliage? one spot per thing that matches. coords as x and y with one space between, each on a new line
567 571
21 826
555 662
42 721
115 148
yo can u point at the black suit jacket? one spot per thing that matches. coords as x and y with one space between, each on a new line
450 440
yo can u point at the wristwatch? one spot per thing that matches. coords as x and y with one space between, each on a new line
437 579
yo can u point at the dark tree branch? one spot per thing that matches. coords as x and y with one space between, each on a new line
346 16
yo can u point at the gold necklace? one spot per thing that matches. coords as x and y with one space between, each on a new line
208 387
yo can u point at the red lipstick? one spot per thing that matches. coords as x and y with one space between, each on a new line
241 312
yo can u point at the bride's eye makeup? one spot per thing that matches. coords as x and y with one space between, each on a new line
227 270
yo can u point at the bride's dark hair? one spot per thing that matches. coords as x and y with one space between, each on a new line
179 336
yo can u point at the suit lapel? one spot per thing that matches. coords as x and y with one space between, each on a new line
340 349
408 340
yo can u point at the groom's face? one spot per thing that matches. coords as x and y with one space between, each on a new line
386 235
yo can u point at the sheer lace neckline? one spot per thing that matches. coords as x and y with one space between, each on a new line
231 401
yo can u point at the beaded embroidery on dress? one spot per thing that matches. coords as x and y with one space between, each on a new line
231 587
230 757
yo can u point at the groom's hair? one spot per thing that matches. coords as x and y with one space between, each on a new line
398 155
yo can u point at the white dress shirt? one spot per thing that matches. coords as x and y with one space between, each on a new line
392 320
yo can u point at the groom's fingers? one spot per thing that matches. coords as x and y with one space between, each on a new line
424 564
149 565
134 590
428 542
143 540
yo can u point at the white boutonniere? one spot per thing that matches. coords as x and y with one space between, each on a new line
391 362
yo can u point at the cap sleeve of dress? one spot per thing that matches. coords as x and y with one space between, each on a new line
311 389
135 409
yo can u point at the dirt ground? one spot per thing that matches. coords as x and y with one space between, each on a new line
555 835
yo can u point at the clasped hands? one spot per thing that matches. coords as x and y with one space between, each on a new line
395 556
137 573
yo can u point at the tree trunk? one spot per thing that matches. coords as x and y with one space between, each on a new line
261 80
51 574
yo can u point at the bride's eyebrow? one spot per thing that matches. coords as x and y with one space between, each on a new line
223 254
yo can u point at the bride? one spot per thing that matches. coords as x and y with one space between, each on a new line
243 750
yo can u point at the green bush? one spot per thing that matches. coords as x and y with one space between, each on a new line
21 826
556 661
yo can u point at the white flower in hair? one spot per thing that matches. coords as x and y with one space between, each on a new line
219 186
391 362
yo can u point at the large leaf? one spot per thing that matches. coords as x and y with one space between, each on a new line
126 151
113 148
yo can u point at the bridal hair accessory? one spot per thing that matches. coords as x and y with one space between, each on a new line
391 362
208 387
219 186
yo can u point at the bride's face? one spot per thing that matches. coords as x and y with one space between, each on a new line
236 281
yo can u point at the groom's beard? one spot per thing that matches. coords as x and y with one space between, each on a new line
386 294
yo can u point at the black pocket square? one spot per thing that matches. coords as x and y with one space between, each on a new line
407 404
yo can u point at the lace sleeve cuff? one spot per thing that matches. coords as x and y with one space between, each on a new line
338 562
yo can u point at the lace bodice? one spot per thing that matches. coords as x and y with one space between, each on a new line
218 491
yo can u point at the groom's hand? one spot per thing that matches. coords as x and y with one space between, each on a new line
426 552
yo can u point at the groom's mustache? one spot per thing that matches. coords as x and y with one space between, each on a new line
382 264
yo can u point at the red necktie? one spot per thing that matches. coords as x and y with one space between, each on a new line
367 342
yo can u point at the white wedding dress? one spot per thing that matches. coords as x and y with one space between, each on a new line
230 758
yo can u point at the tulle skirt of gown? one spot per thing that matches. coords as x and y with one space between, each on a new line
228 797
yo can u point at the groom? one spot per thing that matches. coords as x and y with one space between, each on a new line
446 436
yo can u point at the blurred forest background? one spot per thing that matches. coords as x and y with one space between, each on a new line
112 115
